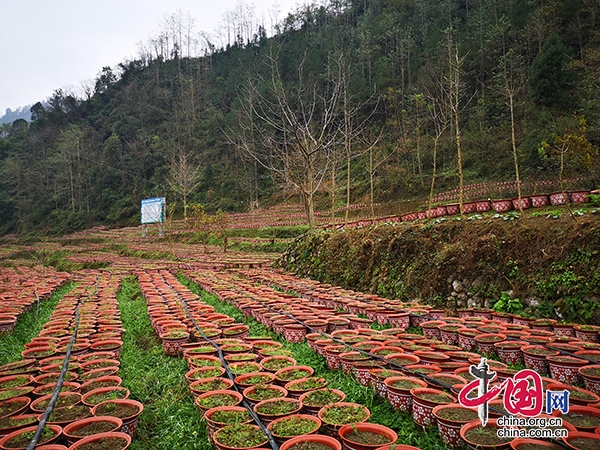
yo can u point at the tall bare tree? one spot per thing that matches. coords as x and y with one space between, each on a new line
184 176
290 127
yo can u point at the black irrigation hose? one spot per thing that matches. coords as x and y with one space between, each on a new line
254 416
61 378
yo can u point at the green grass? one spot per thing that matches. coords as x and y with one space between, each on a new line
29 326
170 419
382 411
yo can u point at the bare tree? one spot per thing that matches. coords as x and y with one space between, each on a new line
290 129
184 176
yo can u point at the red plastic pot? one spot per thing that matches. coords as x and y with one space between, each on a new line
281 439
6 439
344 431
117 436
423 408
129 422
401 398
78 424
450 429
330 442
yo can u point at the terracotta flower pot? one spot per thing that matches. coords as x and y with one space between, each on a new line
72 434
328 441
582 418
221 445
267 417
5 442
65 399
229 398
129 414
331 428
347 431
535 358
94 397
280 439
501 206
539 200
474 445
312 407
591 377
400 396
214 425
565 369
118 440
423 404
450 419
593 440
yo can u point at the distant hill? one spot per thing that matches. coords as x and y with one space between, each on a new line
20 113
384 99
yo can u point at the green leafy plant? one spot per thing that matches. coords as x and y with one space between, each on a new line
508 305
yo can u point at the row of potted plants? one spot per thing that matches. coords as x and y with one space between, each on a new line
92 408
18 289
275 387
463 359
478 206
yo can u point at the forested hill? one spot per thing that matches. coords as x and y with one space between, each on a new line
389 89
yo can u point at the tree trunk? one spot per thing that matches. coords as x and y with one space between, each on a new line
514 149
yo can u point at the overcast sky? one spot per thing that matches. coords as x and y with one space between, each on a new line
51 44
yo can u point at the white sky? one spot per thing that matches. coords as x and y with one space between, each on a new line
52 44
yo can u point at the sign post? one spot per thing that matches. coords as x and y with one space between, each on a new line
153 210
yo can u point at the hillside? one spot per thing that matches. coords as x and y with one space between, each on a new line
547 260
399 93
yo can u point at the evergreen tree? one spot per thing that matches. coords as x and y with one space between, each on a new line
551 79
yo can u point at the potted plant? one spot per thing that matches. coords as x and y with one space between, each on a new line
294 425
203 385
89 426
112 440
485 343
424 400
244 367
64 399
274 363
19 439
239 436
534 357
313 401
591 377
100 382
336 415
450 419
312 442
63 416
100 395
581 440
587 333
287 374
398 391
254 378
125 409
583 418
478 437
296 388
258 393
269 410
221 416
13 423
366 436
565 369
213 399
